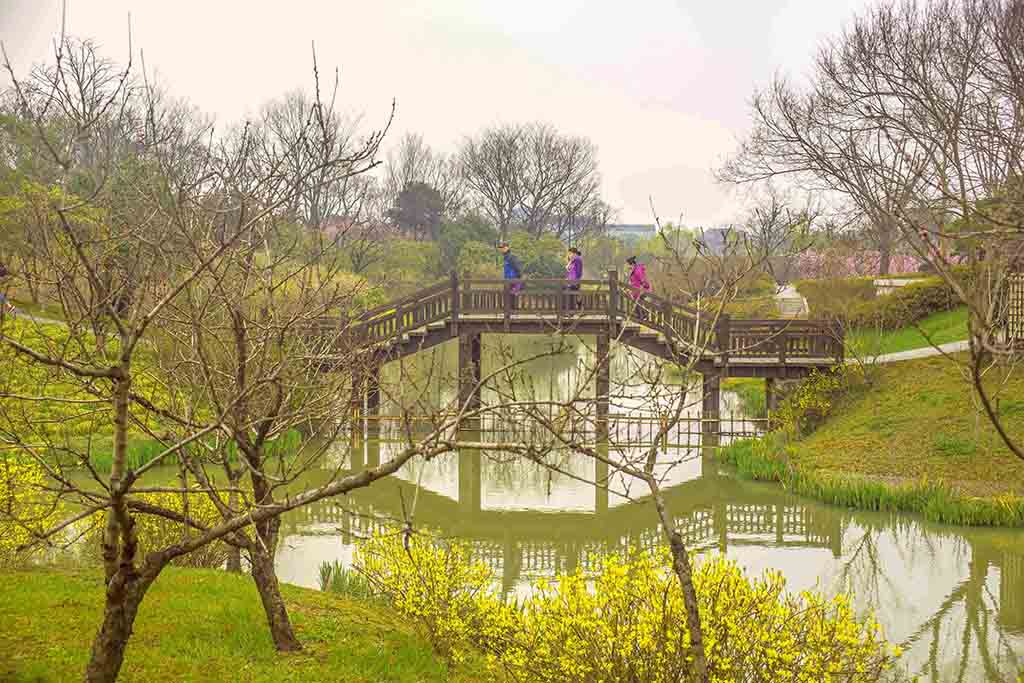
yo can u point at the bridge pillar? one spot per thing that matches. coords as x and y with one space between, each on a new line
373 451
601 478
711 426
373 402
470 479
469 373
356 399
603 385
771 395
720 512
511 563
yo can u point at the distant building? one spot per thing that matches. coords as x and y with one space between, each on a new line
631 231
714 240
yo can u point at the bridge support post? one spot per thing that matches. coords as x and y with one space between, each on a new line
373 402
470 476
601 478
603 385
511 563
355 416
469 377
771 395
711 426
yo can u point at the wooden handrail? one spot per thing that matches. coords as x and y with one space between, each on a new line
453 300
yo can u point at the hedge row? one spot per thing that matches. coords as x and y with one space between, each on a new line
905 306
853 301
836 298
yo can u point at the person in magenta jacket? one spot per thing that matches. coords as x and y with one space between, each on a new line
639 285
573 275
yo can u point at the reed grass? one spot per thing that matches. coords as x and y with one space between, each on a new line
142 451
765 460
337 578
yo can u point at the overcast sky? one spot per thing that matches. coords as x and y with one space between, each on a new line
661 86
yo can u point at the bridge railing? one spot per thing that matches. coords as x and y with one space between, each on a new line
784 340
540 297
778 341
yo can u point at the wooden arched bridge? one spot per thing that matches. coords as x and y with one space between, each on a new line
465 309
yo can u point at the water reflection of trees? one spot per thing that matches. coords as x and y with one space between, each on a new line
969 620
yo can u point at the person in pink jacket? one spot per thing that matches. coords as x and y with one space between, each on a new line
639 285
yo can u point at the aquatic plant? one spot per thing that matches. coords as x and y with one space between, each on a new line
766 460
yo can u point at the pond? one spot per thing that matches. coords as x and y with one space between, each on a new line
953 597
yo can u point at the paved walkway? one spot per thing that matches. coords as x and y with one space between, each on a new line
791 303
22 315
926 352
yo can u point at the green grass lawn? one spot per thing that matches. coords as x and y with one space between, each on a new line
205 625
941 328
920 419
44 310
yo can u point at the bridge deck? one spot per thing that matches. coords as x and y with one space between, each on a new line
664 328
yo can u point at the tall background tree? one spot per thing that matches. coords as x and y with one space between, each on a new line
915 113
531 177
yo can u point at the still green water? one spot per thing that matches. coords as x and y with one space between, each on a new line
952 596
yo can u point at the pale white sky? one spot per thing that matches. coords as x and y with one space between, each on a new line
661 86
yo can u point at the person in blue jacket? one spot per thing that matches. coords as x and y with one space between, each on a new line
513 270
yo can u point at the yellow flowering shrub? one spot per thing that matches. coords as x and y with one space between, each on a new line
812 401
437 586
25 509
628 621
155 532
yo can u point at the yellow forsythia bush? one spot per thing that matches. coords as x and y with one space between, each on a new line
155 532
437 586
25 508
628 621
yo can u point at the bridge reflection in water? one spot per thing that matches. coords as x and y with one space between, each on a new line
953 597
525 521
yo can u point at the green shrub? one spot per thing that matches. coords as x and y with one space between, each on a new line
836 298
812 401
751 394
761 308
905 306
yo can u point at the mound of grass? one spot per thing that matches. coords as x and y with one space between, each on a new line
921 419
936 500
912 438
207 625
939 328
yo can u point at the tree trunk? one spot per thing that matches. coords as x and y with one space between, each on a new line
265 577
124 595
683 572
885 240
234 560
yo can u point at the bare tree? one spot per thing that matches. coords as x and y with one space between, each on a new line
162 248
915 114
534 177
414 162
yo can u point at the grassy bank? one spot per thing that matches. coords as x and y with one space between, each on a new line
205 625
911 439
936 500
939 328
